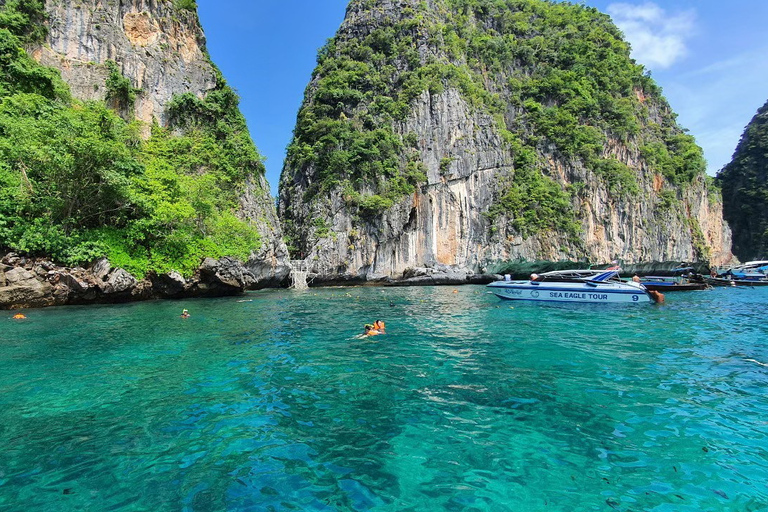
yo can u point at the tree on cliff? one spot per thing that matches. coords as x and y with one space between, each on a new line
550 85
745 190
78 182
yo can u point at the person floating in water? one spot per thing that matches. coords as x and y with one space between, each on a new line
379 326
185 314
370 330
19 316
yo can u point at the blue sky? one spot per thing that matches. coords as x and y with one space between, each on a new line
709 56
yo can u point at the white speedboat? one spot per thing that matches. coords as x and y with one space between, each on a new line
586 286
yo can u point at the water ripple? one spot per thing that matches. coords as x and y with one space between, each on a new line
467 403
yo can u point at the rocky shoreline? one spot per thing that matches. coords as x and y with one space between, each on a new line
27 282
435 275
36 283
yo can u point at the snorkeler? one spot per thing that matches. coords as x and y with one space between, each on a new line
185 314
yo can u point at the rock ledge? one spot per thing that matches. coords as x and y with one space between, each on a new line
35 283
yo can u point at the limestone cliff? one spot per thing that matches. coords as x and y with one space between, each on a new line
458 135
159 47
745 190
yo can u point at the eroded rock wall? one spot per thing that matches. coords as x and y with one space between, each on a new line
36 283
444 225
159 47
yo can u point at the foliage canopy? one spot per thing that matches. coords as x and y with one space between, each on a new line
77 182
556 77
744 183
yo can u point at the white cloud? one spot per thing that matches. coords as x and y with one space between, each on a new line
658 38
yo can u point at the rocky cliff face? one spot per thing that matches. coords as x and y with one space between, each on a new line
485 165
745 190
160 48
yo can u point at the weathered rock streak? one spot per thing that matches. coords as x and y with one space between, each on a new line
160 48
444 225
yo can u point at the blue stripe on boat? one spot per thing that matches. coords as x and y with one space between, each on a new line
576 290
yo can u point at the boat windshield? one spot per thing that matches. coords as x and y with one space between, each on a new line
579 276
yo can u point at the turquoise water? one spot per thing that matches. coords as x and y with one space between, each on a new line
467 403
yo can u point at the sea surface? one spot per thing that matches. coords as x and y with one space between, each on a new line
268 402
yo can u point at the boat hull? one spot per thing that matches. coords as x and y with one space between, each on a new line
719 281
664 288
601 293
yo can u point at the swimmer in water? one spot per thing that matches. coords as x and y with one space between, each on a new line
19 316
379 326
370 330
185 314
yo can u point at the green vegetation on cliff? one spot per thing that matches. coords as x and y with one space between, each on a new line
78 182
744 183
556 77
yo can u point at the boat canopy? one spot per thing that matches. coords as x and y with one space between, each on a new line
759 263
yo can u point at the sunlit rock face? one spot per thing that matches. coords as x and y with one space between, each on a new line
159 47
453 218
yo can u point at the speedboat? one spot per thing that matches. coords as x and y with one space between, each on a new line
585 286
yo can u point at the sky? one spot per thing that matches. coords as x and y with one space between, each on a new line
709 57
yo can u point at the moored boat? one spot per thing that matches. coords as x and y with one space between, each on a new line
582 286
751 273
728 281
684 280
